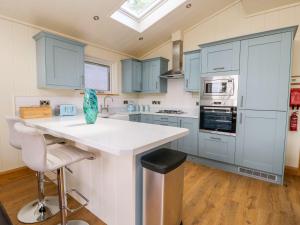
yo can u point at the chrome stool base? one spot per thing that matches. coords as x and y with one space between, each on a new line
76 222
31 213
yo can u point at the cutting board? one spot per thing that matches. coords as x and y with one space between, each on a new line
33 112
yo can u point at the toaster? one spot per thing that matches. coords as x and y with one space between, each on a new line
66 110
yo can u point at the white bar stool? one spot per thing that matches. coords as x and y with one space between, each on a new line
44 207
42 158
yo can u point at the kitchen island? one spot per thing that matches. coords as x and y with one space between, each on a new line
113 181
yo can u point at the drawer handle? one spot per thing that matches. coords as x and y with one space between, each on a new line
241 118
242 101
215 139
186 83
219 68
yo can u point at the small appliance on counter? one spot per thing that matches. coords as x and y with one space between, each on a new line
131 107
65 110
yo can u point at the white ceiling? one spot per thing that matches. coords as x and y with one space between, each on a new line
74 17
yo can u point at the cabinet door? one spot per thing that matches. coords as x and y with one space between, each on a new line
221 58
146 118
265 72
137 76
154 76
189 143
192 71
146 76
261 140
135 118
217 147
65 64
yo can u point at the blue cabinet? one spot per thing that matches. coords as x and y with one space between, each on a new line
189 143
167 121
146 118
135 117
60 62
192 70
265 72
151 71
221 57
261 140
217 147
131 76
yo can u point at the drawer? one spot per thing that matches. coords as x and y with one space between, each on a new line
217 147
221 58
171 119
146 118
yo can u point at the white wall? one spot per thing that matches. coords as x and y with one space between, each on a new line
18 78
233 22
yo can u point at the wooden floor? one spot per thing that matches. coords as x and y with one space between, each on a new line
211 197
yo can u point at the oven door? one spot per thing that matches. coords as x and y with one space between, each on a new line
221 119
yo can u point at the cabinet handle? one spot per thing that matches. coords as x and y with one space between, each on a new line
241 118
216 139
219 68
180 123
156 84
186 83
242 101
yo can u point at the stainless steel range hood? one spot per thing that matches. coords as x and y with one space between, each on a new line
176 71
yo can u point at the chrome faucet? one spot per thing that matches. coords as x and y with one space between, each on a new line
104 109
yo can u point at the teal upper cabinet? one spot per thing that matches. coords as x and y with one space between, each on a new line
217 147
189 143
131 76
152 69
60 62
261 140
221 57
192 70
265 72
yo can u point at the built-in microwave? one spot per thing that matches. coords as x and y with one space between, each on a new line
216 90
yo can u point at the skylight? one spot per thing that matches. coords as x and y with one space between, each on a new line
141 14
138 8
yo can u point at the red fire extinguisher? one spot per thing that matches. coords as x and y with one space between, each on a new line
294 121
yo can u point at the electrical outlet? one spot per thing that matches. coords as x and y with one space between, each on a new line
197 103
125 102
158 102
44 102
153 102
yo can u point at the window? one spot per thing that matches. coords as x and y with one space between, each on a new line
142 14
97 76
138 8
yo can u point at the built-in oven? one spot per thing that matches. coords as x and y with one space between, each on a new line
219 90
218 119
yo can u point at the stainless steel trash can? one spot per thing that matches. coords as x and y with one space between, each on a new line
163 172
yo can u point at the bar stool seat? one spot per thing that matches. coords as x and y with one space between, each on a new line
42 158
43 208
59 155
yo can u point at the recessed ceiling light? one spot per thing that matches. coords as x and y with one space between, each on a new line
188 5
141 38
96 18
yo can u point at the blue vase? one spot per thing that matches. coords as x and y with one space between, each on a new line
90 106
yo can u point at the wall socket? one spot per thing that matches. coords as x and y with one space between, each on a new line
155 102
197 103
44 102
125 102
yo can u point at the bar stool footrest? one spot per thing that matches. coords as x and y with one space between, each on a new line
86 201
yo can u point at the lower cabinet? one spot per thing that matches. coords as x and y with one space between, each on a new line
167 121
135 117
261 140
217 147
146 118
189 143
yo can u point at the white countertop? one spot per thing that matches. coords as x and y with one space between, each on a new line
116 137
